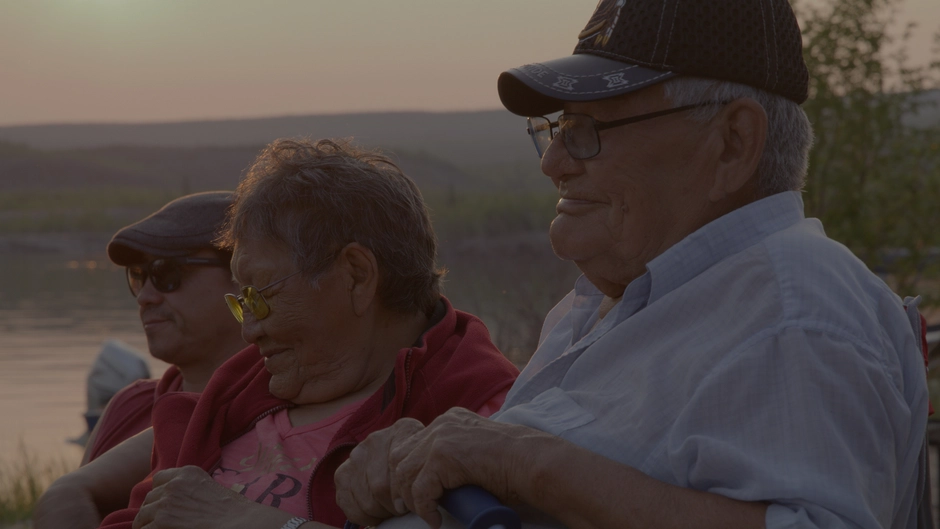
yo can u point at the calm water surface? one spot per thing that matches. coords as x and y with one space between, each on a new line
55 313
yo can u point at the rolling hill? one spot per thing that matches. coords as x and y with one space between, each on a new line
446 152
458 137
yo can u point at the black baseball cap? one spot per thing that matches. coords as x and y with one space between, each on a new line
182 227
631 44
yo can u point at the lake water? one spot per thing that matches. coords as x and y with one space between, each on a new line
55 313
60 299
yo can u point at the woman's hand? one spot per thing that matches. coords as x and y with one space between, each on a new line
188 497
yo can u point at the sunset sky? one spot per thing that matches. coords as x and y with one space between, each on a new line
68 61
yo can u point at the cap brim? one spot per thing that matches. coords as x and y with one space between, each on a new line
126 253
542 88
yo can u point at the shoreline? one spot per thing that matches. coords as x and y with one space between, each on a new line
78 244
94 244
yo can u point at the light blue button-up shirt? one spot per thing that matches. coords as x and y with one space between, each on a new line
756 359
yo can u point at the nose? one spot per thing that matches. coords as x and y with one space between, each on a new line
251 327
148 295
556 162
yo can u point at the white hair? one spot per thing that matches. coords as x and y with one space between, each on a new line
782 166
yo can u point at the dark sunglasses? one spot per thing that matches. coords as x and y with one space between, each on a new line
580 131
166 274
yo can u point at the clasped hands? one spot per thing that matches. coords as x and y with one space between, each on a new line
407 467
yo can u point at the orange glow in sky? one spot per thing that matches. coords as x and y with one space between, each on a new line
166 60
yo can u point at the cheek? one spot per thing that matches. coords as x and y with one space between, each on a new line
627 204
290 328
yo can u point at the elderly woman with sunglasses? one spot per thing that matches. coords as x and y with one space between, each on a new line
340 299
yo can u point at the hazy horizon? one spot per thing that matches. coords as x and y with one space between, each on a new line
263 117
149 61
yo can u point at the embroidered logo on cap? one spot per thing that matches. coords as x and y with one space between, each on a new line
565 83
615 79
601 26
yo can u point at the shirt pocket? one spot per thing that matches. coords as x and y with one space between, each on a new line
552 411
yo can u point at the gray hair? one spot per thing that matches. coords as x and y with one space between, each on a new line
317 197
783 164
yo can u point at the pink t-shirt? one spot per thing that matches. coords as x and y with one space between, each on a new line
272 464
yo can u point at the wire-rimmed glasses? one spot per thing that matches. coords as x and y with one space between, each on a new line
252 300
580 131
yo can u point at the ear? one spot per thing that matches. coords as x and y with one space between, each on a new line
361 275
743 128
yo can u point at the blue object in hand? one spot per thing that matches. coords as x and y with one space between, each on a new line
478 509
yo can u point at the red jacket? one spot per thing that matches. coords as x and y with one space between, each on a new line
456 364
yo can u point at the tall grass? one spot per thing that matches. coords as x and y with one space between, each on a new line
24 476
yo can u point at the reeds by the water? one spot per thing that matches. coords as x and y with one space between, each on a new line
24 476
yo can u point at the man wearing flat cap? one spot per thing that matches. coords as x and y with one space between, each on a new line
721 362
179 277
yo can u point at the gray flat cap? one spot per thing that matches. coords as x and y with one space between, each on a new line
182 227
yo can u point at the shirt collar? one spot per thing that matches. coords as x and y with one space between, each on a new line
724 236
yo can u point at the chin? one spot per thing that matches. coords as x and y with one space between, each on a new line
587 244
161 352
281 388
566 238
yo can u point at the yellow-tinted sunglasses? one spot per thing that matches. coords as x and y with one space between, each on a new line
252 300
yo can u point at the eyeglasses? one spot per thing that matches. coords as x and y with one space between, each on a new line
166 274
252 300
580 131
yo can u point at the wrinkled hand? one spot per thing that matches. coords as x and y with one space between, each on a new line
363 481
409 467
188 497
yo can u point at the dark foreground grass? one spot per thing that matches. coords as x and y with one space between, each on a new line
23 478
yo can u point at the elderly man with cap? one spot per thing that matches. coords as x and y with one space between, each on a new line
721 362
180 277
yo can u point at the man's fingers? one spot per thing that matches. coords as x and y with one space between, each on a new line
425 491
362 482
433 519
164 476
406 438
366 486
400 480
353 510
151 496
144 516
379 490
